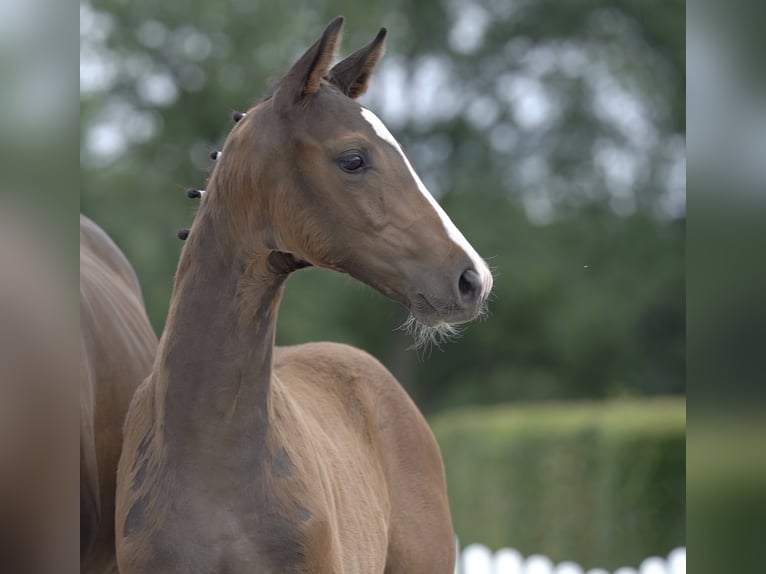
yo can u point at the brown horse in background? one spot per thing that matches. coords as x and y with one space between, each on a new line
242 457
38 406
117 349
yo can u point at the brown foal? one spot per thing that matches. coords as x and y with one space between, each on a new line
243 457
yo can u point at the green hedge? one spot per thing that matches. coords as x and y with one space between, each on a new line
599 483
727 494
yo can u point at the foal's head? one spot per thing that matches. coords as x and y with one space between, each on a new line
313 177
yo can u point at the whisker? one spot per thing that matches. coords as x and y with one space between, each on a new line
425 337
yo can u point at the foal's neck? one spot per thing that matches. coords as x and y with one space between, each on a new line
215 358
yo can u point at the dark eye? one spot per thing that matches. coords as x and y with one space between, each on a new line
351 163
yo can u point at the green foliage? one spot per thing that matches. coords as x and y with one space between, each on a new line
599 483
589 297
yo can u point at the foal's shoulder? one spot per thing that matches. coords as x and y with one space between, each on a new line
344 361
355 377
342 366
349 371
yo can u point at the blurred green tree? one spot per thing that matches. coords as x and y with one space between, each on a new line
553 133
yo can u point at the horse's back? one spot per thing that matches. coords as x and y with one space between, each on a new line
348 393
97 249
117 350
117 336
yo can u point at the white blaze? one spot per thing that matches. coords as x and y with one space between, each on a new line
452 231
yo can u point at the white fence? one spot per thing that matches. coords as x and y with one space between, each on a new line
478 559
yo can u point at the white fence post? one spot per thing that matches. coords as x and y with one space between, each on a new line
538 564
509 561
478 559
458 566
568 568
677 561
653 565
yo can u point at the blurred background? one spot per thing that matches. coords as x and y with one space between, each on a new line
554 134
39 470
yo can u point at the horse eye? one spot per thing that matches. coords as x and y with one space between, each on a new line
352 163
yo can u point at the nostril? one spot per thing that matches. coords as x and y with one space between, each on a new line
469 285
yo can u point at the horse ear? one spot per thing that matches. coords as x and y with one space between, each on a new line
352 74
306 74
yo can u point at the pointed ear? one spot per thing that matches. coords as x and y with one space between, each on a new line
305 75
352 74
